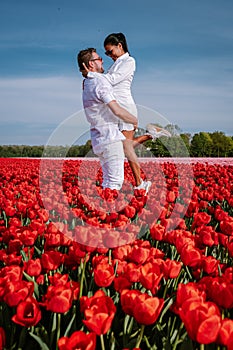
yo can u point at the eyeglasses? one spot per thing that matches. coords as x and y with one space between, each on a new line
108 52
97 59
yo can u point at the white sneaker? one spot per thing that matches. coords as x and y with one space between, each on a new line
156 132
144 185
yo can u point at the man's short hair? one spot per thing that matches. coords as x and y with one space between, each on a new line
84 56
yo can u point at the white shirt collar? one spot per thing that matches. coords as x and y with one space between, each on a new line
122 57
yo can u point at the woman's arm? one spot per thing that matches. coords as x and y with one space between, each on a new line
123 71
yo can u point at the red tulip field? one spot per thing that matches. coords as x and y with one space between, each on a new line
82 268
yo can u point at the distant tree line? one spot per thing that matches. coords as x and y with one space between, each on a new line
45 151
202 144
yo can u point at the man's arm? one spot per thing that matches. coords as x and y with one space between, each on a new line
122 113
104 91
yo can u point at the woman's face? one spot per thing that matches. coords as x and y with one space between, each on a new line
114 51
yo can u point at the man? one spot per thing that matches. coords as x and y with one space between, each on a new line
103 113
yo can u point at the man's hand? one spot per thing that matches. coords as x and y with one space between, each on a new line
122 113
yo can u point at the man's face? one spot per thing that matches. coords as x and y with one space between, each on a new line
96 63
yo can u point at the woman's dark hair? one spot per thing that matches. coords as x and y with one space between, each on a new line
115 39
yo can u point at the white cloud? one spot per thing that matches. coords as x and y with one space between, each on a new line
39 99
32 108
197 96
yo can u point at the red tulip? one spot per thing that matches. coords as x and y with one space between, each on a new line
225 332
210 265
128 300
58 298
122 252
12 273
226 226
186 292
220 214
99 312
157 232
28 237
219 290
2 339
230 343
208 236
171 268
33 267
147 309
78 340
129 211
17 292
139 254
10 210
202 320
201 218
191 256
27 313
104 274
132 272
150 277
121 283
141 306
171 196
51 260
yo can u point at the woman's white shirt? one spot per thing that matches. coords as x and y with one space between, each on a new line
120 76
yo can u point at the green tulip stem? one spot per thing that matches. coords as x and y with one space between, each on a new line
102 341
140 336
58 328
82 276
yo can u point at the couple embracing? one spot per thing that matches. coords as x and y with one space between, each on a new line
112 113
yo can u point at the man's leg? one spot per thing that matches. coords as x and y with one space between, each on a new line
112 162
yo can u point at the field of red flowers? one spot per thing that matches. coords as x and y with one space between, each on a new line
83 268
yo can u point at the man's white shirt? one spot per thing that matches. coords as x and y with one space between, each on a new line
97 93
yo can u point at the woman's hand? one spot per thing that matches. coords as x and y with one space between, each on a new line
86 70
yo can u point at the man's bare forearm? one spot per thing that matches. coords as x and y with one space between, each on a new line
122 113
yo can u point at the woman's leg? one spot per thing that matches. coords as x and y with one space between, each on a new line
140 139
153 133
131 155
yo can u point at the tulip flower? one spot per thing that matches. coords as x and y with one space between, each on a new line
99 312
27 313
2 338
141 306
202 320
58 298
104 274
78 340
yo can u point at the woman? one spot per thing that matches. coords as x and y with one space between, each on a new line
120 75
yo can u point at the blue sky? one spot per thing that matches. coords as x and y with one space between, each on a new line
183 50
